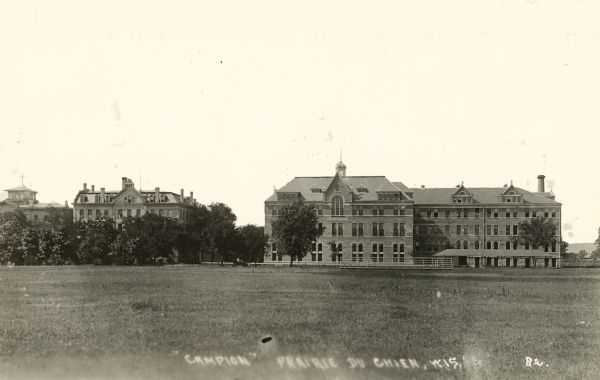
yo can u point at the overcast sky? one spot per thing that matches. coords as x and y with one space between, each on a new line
229 99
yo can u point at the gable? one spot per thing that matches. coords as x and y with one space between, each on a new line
129 195
338 187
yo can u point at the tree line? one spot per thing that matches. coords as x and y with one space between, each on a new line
211 234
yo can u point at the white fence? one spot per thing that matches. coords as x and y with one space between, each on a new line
412 263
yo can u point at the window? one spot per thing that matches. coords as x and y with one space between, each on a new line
554 214
477 213
353 251
129 212
374 253
354 230
508 230
80 214
380 253
395 212
527 214
526 245
458 229
337 206
488 213
360 252
477 229
89 213
360 229
534 213
375 229
514 215
381 232
495 245
138 212
458 244
488 229
458 213
105 212
465 244
435 213
466 213
496 229
476 244
320 252
488 245
515 245
507 214
447 212
402 230
334 229
495 213
553 247
395 253
274 212
515 229
465 229
429 213
402 212
340 229
98 213
546 214
395 231
507 245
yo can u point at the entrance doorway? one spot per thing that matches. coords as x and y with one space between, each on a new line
495 261
477 262
515 262
546 262
527 262
553 263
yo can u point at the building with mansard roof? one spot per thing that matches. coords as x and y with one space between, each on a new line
372 218
91 204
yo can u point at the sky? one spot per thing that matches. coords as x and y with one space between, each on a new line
232 98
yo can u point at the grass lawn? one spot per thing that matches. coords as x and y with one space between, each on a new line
141 322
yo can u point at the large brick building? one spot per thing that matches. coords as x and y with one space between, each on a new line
90 204
372 218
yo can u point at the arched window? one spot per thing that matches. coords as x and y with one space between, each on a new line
507 245
458 244
380 247
401 247
374 248
465 244
395 248
476 244
320 247
488 245
353 247
360 247
495 245
337 206
339 248
526 245
314 247
515 245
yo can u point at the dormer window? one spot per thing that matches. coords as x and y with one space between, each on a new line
362 189
316 189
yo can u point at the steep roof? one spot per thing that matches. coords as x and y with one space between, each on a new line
487 195
453 252
373 184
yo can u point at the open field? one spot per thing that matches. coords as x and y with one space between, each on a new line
141 322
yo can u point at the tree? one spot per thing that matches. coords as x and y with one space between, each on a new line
563 249
94 240
336 255
219 233
596 252
12 225
295 229
253 243
538 232
148 237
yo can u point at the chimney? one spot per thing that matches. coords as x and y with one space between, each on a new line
93 187
182 197
84 186
541 183
422 186
123 182
191 197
